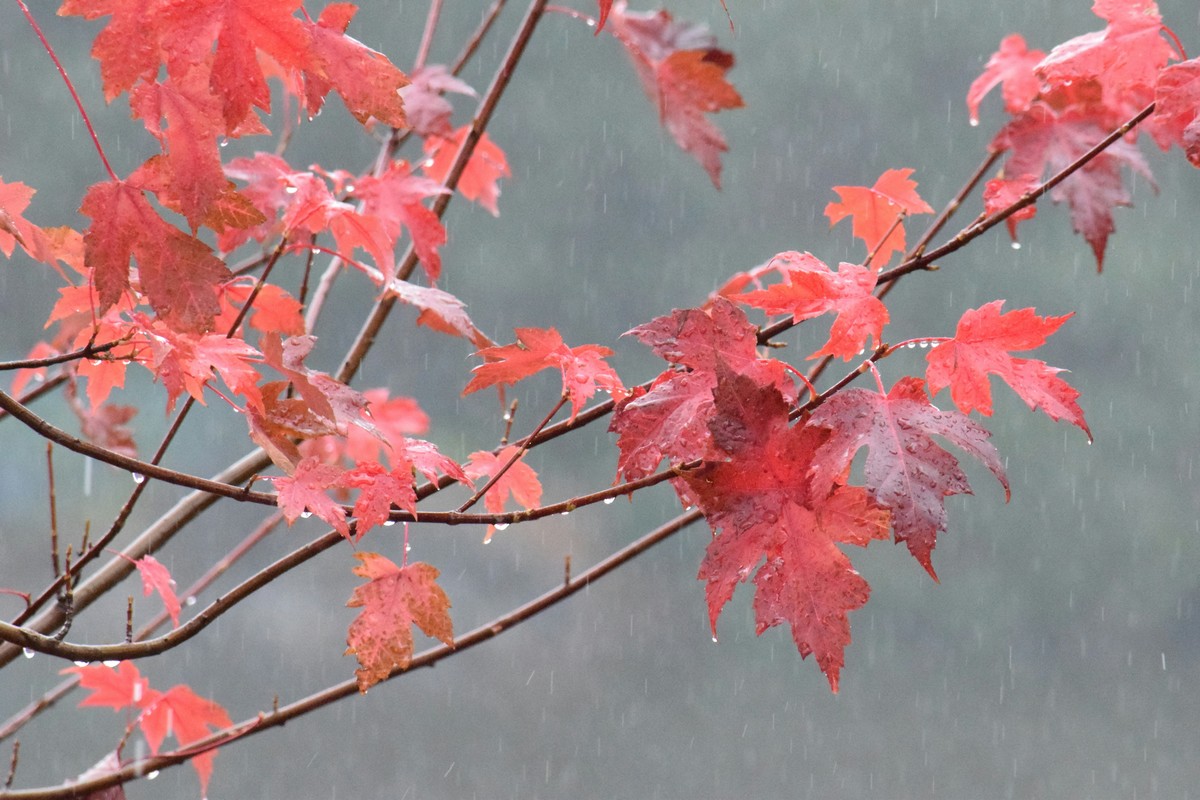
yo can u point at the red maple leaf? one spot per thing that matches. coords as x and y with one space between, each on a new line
146 33
107 425
1177 109
427 109
178 711
379 488
395 198
1125 57
240 29
391 421
1000 193
157 578
187 177
306 491
583 368
394 418
1043 141
291 200
875 210
906 471
519 480
275 422
683 73
812 289
274 310
981 347
178 273
757 499
325 396
439 310
671 419
15 229
367 82
392 601
1012 68
479 181
296 201
115 688
181 712
186 362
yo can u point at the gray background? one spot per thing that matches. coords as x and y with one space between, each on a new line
1059 656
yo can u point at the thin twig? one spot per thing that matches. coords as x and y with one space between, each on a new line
88 351
18 720
53 511
521 450
266 720
431 20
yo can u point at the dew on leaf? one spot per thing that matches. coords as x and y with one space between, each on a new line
305 514
1016 245
501 526
28 653
111 664
608 501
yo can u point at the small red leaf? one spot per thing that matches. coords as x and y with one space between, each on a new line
683 73
305 491
981 347
1012 67
368 83
392 601
156 578
583 368
519 480
115 688
812 289
479 181
189 717
875 210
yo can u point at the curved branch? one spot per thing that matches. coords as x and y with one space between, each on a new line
267 720
87 351
133 465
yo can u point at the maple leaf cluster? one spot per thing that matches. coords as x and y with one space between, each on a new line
777 468
178 712
1064 103
773 479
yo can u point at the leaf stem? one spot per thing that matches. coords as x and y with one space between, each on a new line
87 121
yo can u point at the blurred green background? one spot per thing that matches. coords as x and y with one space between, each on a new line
1058 657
